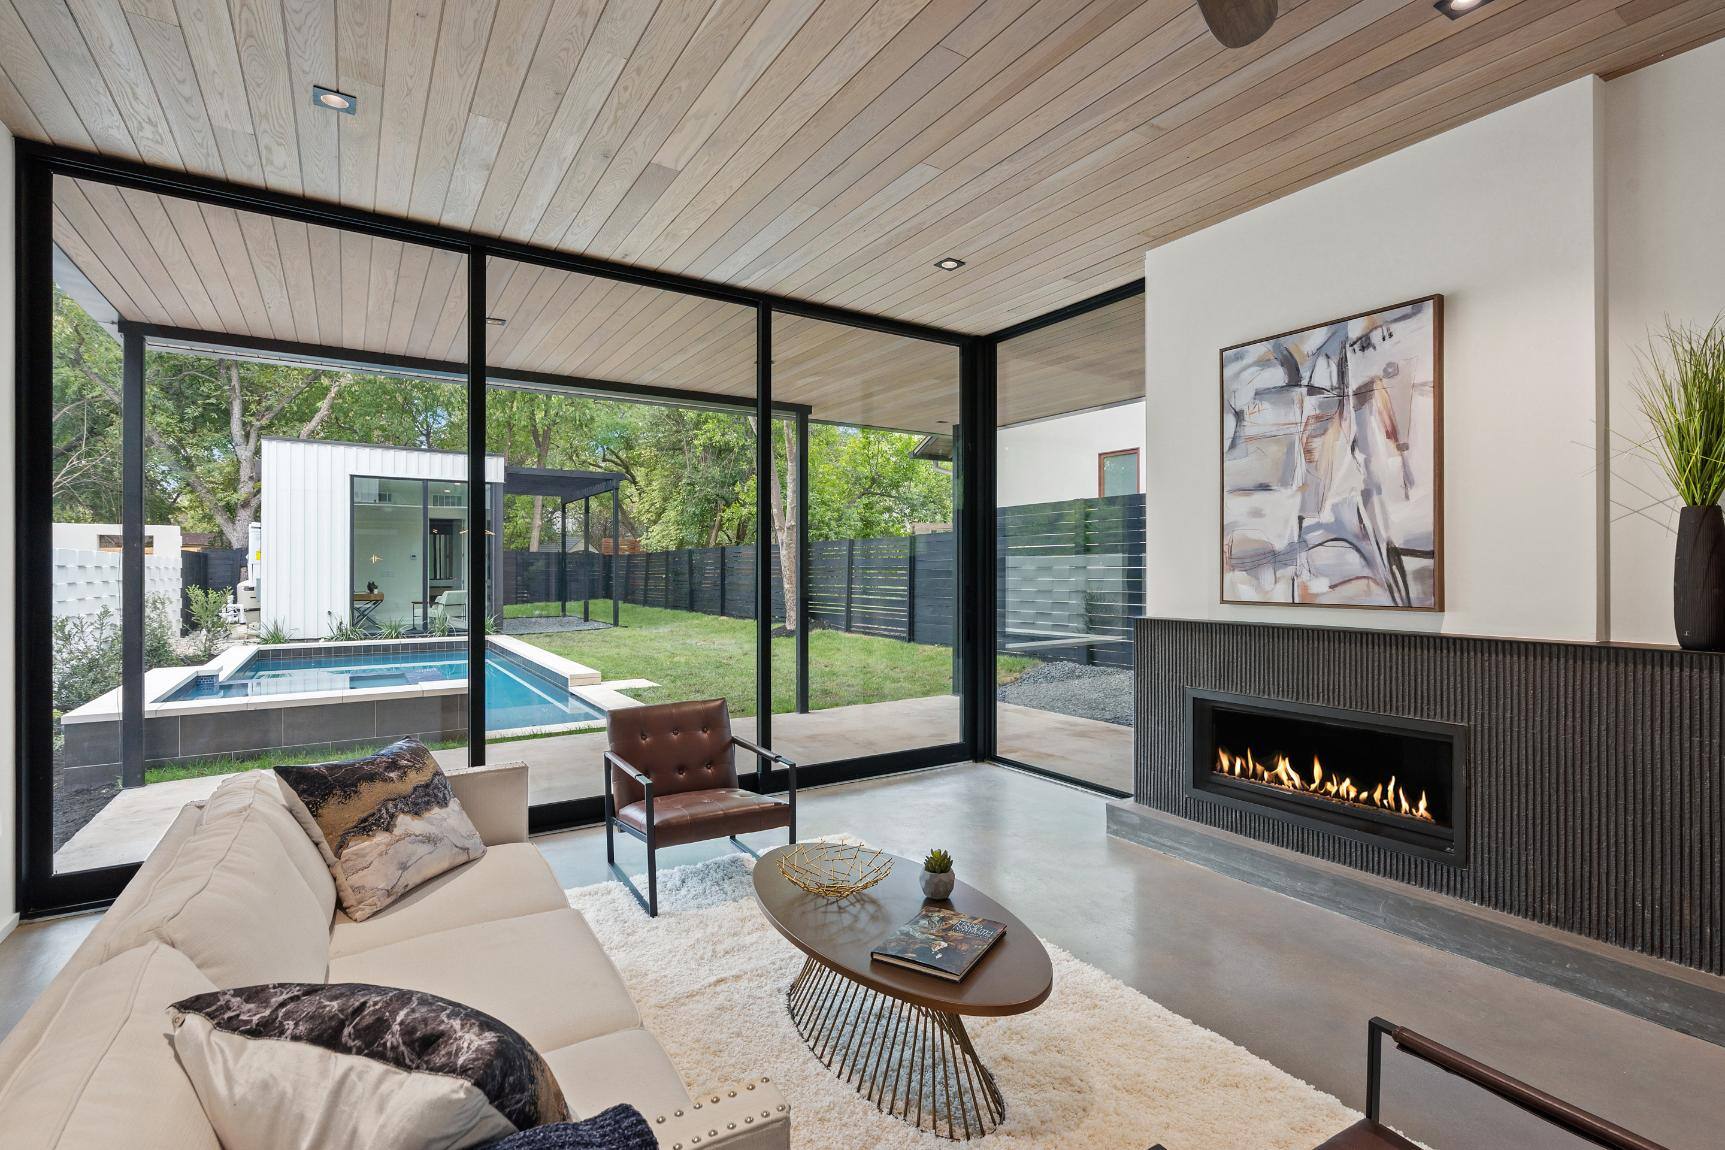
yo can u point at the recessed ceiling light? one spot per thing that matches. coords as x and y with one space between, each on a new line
949 264
1456 9
495 320
333 100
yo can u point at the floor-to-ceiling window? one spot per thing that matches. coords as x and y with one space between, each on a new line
1069 542
625 417
278 523
253 546
863 498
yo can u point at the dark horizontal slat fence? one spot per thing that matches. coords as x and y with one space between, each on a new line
1071 579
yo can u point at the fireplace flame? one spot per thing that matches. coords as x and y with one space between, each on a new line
1281 773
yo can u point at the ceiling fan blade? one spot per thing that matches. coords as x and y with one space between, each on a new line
1237 23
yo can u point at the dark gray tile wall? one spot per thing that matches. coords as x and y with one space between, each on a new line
1597 778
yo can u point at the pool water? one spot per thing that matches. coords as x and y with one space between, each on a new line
515 695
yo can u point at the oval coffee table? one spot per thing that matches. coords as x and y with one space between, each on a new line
898 1034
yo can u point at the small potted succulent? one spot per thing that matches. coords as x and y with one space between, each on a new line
937 874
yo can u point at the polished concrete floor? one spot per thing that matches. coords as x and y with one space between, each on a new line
568 766
1292 983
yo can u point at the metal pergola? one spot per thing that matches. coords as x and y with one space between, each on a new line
569 487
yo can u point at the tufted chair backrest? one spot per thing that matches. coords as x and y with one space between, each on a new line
680 746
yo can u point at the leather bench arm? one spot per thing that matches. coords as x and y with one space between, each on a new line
495 798
746 1115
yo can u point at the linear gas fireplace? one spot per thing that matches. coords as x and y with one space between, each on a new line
1397 782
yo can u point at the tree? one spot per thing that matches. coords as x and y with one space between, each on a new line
782 501
204 418
865 483
205 421
86 447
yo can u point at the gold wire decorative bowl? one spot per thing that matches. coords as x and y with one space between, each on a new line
835 870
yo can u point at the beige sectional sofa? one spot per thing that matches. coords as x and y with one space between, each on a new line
235 894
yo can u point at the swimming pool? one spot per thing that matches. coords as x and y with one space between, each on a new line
517 694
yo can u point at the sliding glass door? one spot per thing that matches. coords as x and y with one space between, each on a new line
280 523
1069 543
624 418
251 539
863 497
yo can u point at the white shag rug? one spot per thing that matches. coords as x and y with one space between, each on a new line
1096 1066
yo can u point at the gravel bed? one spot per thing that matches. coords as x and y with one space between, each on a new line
1101 693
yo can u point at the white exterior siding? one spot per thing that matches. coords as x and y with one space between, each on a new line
1053 460
305 569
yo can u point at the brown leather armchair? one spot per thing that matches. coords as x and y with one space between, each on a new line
671 778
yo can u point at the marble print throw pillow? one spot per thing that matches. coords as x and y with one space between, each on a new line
620 1128
385 823
347 1066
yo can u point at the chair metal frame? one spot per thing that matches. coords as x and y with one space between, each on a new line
650 901
1549 1108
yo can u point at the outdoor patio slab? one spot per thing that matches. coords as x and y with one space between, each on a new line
568 766
128 828
1084 749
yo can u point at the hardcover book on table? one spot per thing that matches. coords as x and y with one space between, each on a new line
940 941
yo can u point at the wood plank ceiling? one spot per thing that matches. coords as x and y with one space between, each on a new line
825 149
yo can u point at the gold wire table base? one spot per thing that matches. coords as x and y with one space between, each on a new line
910 1061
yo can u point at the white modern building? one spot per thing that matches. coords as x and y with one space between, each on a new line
361 533
1079 456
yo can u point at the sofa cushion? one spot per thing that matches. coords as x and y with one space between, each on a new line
544 974
259 790
508 881
624 1066
291 1066
103 1072
29 1028
384 823
233 902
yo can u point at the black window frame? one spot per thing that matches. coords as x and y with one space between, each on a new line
41 891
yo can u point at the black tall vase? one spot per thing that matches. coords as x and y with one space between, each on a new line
1699 586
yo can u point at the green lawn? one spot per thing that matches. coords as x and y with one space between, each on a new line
695 656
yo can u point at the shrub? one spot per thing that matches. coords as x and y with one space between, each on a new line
161 628
274 633
208 608
86 657
343 631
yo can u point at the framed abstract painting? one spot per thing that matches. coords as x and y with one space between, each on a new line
1332 463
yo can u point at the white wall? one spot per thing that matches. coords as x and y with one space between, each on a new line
1500 217
1665 228
87 579
1052 460
8 719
